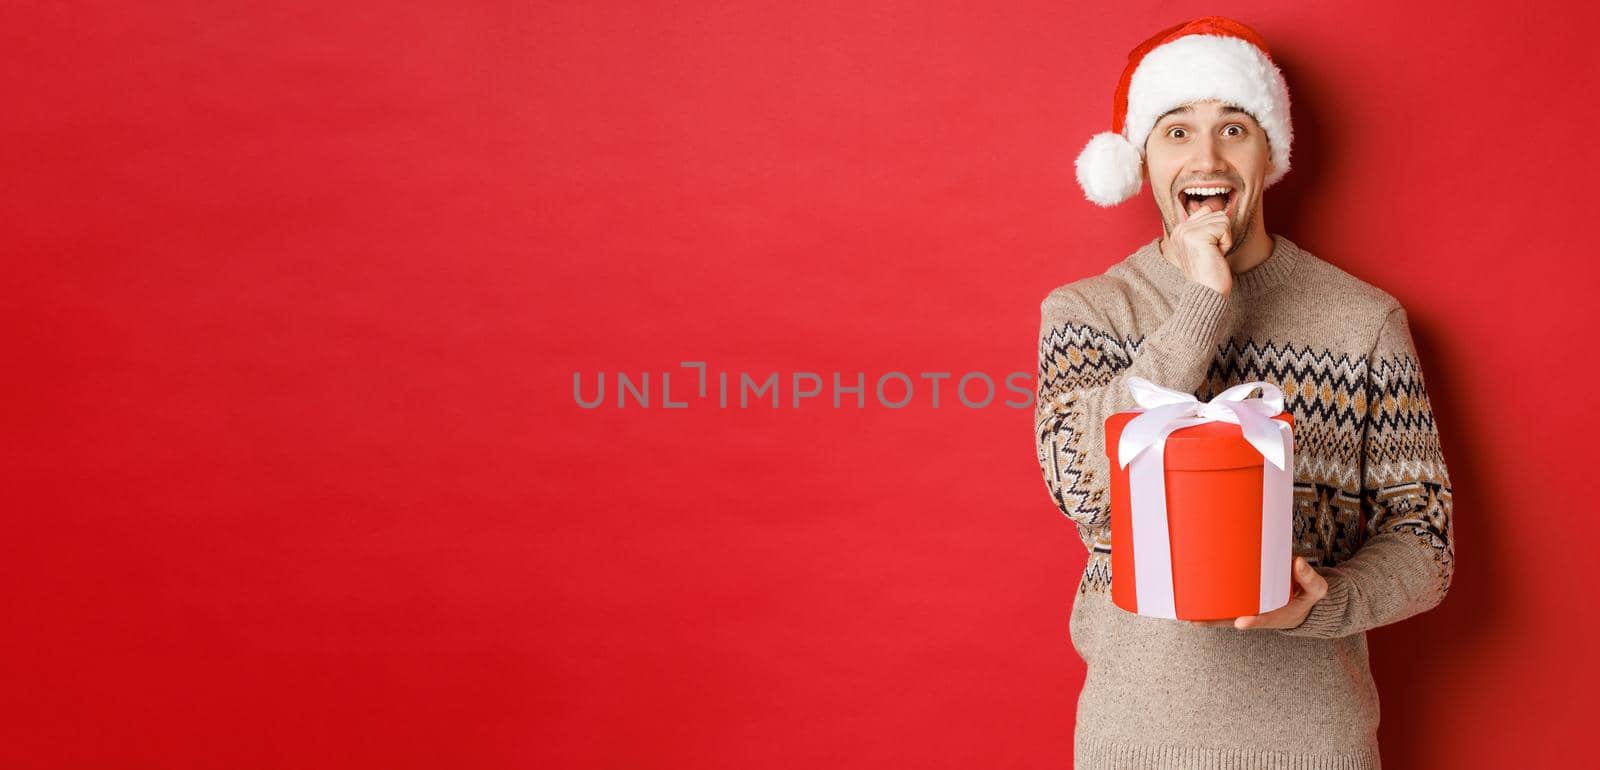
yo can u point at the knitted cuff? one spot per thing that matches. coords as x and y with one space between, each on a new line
1327 615
1197 317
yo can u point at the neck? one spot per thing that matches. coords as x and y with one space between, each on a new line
1254 250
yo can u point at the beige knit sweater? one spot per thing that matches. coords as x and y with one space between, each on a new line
1372 506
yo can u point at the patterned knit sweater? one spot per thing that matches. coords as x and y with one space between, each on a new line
1372 506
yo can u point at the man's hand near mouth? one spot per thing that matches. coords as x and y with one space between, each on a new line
1197 244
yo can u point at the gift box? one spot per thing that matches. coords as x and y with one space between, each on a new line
1201 502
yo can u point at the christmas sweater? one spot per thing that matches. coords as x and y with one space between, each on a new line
1372 506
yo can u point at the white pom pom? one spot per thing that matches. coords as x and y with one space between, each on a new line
1110 169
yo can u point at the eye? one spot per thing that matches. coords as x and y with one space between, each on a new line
1235 125
1175 128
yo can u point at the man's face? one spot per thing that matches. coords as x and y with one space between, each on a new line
1208 144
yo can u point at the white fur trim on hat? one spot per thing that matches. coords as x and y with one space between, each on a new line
1110 169
1200 67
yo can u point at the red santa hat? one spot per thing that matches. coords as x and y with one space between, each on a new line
1208 58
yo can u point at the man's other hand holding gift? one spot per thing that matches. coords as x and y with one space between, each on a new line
1310 588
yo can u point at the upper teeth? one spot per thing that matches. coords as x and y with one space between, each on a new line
1206 190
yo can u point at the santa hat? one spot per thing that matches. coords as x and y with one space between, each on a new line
1208 58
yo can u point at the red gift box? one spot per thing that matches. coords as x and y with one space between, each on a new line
1214 492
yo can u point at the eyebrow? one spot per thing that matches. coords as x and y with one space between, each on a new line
1227 109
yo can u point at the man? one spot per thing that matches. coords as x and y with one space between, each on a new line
1202 114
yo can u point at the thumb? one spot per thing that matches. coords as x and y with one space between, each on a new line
1308 577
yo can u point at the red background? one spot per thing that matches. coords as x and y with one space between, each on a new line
295 294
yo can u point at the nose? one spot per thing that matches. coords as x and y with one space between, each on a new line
1208 154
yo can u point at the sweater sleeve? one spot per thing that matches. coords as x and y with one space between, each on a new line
1083 371
1405 565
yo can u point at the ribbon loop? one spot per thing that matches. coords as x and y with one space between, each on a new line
1163 409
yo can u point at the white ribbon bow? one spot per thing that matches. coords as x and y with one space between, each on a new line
1142 445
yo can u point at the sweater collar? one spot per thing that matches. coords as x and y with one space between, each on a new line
1273 272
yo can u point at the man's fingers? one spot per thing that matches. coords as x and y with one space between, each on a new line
1199 213
1315 585
1272 619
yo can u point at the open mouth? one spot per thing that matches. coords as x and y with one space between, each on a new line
1197 199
